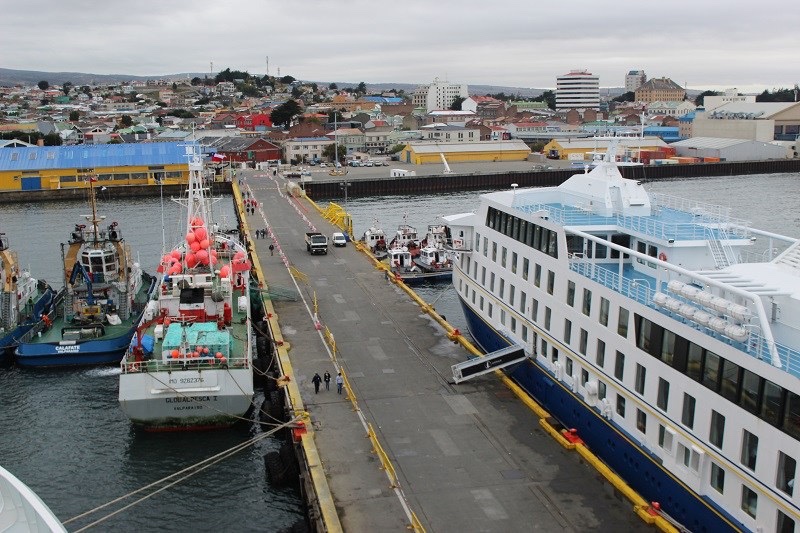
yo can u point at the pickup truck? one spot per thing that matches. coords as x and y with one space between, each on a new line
316 243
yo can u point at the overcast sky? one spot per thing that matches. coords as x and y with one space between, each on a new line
701 44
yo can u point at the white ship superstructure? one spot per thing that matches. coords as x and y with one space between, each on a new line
664 330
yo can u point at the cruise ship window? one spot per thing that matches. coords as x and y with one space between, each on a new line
570 293
787 467
514 262
751 393
717 478
473 296
604 307
503 255
694 364
525 265
475 270
537 275
543 351
584 377
524 333
641 421
665 438
494 252
477 242
621 405
749 449
730 380
502 316
523 301
511 294
587 302
619 366
771 406
491 282
785 524
601 390
513 324
717 432
711 371
554 354
601 353
791 417
749 501
547 315
622 323
584 341
567 331
568 367
662 400
502 288
668 347
483 276
687 415
551 281
491 309
481 303
641 373
485 246
534 309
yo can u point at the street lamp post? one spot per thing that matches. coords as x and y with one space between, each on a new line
344 185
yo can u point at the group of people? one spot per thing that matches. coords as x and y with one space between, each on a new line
317 381
261 234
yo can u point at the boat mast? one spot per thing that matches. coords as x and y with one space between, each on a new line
93 202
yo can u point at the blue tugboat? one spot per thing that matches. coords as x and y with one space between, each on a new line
105 295
23 300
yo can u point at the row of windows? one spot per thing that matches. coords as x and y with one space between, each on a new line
759 396
533 235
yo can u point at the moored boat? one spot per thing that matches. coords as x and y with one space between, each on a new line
375 239
403 267
23 300
663 330
190 364
406 237
434 254
104 296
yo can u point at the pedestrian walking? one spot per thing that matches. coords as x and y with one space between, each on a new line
271 249
327 378
316 380
339 383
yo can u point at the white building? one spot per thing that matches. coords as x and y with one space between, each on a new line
731 95
634 79
671 109
578 89
438 95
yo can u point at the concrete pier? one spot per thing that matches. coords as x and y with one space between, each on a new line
403 447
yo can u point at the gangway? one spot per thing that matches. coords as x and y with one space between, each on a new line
488 363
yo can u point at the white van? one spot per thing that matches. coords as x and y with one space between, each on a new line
339 239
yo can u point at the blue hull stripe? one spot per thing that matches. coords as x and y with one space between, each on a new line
609 442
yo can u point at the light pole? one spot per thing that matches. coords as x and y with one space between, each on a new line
344 185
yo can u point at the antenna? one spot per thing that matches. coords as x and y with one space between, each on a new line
212 68
267 66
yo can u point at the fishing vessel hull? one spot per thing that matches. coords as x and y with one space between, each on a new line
186 399
420 276
105 350
616 448
10 340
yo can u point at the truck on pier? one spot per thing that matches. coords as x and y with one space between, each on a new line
316 243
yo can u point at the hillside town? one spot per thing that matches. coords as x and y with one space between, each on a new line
254 121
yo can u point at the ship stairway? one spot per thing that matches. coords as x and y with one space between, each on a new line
489 362
722 253
790 257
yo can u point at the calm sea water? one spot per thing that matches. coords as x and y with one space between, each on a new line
62 432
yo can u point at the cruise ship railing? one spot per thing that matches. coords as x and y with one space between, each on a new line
642 292
697 226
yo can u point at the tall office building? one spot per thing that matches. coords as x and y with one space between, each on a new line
634 79
579 89
438 95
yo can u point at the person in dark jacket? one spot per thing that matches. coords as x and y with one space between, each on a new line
316 380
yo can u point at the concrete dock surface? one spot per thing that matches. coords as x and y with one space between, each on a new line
468 457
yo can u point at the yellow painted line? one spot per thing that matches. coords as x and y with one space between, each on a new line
321 488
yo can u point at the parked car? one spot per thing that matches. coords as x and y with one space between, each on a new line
338 239
323 165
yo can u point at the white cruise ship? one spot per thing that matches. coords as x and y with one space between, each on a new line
665 331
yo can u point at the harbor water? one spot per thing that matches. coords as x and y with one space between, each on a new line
63 434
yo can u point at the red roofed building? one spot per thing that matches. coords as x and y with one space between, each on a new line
256 121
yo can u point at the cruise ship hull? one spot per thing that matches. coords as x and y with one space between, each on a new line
617 449
186 399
